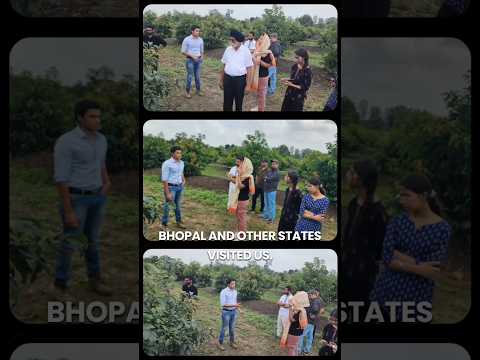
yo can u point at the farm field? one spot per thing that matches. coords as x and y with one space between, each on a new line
33 195
259 285
204 208
172 65
255 327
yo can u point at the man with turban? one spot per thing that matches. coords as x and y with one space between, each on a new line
236 74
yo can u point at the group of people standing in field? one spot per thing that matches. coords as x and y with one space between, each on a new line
298 320
381 8
249 65
300 213
396 260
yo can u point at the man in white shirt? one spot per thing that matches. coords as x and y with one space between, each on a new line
228 302
236 75
250 42
283 309
192 48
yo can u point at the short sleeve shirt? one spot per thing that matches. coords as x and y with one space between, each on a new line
192 45
237 61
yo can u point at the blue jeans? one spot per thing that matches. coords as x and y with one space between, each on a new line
308 338
228 319
89 210
176 191
193 70
270 205
272 75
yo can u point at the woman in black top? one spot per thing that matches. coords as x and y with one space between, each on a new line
363 235
291 203
245 185
298 84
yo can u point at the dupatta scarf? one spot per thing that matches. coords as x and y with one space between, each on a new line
261 49
298 304
245 170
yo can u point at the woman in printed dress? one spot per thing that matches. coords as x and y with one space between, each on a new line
313 208
416 243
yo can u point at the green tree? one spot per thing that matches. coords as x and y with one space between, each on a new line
305 20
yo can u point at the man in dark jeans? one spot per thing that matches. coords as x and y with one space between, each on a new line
276 49
83 183
271 181
314 311
173 181
235 77
188 288
259 179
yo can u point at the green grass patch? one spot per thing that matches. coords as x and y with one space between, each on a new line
315 58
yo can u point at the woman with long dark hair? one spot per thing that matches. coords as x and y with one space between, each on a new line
298 83
313 208
415 245
291 203
363 235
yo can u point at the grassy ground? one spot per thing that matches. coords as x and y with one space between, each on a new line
173 67
205 210
255 332
417 8
32 194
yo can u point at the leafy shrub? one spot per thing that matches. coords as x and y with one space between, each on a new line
214 32
251 283
168 324
150 209
156 86
31 246
223 273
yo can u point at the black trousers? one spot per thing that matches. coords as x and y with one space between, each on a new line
258 193
233 90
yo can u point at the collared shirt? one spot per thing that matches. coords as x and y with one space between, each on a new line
172 171
79 159
282 311
237 61
192 45
228 297
250 44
